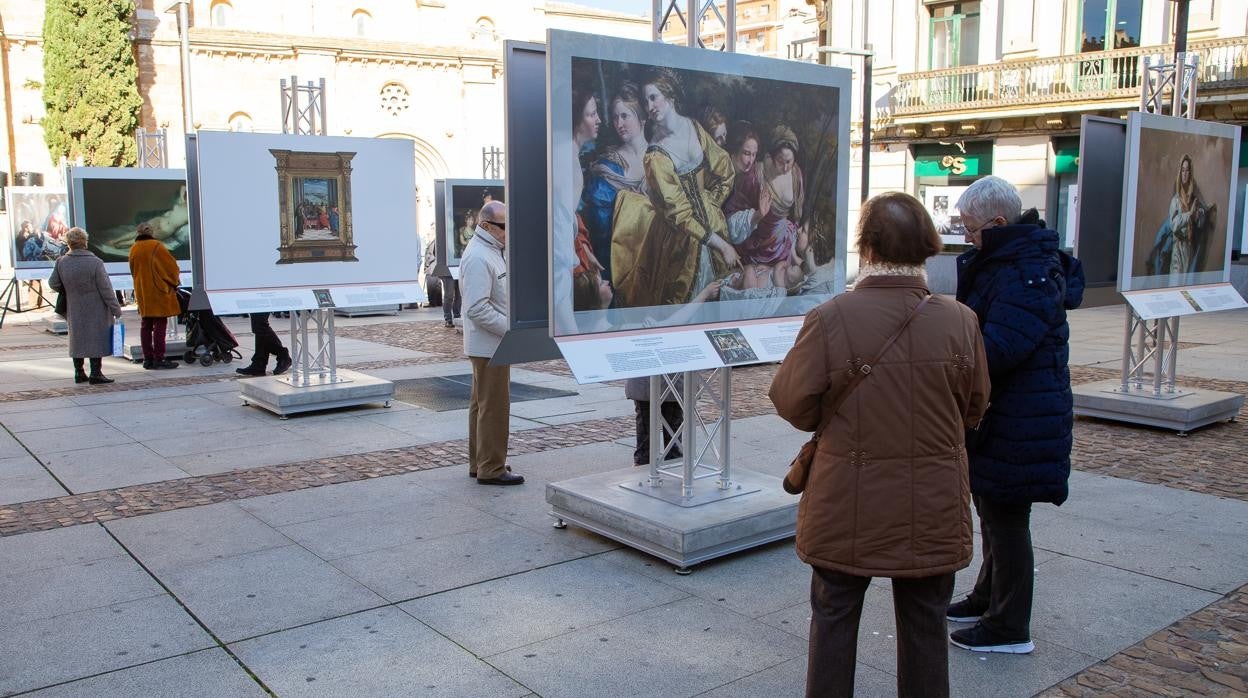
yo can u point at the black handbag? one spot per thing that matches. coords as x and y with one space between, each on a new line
799 470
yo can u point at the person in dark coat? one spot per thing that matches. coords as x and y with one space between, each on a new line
91 306
1020 285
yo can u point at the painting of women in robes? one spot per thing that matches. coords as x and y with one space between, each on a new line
687 219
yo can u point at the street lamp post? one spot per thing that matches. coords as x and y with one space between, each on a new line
182 9
866 55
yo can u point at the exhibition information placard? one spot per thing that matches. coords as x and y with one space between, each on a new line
1174 302
614 356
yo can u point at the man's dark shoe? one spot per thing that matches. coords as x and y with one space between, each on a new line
149 364
964 612
504 479
283 365
474 475
977 638
98 379
250 370
450 324
164 364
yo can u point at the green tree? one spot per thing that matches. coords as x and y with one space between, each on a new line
90 81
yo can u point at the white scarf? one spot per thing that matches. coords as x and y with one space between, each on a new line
877 269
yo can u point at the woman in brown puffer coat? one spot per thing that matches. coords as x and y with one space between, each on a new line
156 279
888 493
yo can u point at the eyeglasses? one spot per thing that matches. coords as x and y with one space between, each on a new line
975 231
501 226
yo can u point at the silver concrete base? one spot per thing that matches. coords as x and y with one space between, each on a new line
174 349
1184 411
363 310
607 504
280 397
55 324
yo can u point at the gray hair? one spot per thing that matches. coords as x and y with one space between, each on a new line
77 238
493 211
989 198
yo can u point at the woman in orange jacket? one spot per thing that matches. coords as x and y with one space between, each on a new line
156 279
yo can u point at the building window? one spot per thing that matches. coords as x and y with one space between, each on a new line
484 29
765 10
1110 24
361 20
220 14
954 36
241 121
394 98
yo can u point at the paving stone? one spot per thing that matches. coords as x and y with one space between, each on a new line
426 567
80 438
789 679
375 653
29 488
259 592
58 418
52 591
85 643
514 611
65 546
205 674
375 529
170 541
23 465
681 648
109 467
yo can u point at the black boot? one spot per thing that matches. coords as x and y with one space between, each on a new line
97 376
80 375
283 363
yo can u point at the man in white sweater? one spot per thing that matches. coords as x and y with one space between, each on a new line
483 281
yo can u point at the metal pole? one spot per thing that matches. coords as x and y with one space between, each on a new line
184 25
658 433
689 443
866 119
1126 349
656 25
1180 30
725 430
730 26
692 20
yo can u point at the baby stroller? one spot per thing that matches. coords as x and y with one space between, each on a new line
207 337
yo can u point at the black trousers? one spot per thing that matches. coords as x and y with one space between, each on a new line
919 606
267 343
450 297
1007 574
641 415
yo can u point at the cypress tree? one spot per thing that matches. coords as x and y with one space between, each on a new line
90 82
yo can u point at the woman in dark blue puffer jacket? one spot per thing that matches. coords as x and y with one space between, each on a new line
1020 285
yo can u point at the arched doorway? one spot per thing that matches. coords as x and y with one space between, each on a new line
430 165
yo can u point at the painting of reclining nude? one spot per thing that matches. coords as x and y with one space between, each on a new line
686 196
1181 209
40 219
112 209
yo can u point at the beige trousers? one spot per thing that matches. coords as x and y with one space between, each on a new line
489 412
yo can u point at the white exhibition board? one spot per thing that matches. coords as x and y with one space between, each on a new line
1174 302
615 356
268 246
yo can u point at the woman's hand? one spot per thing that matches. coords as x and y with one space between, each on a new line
764 201
711 291
726 251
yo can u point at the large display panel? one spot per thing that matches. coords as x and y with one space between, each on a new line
1102 175
462 200
111 202
691 187
282 215
39 218
1179 203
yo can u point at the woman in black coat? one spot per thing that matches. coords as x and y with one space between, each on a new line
1020 285
91 306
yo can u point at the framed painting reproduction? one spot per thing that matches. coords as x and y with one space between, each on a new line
314 198
111 203
39 218
691 187
1179 204
463 199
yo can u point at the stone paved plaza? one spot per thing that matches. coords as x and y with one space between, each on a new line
159 538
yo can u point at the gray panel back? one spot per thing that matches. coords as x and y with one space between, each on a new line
524 75
1102 176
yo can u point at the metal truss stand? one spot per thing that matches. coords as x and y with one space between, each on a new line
1141 397
691 506
314 382
11 299
152 147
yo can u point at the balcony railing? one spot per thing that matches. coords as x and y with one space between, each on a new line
1083 77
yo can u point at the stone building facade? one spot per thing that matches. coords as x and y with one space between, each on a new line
429 71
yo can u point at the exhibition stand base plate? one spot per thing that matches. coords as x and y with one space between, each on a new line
174 349
753 512
55 324
1183 410
277 395
366 310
